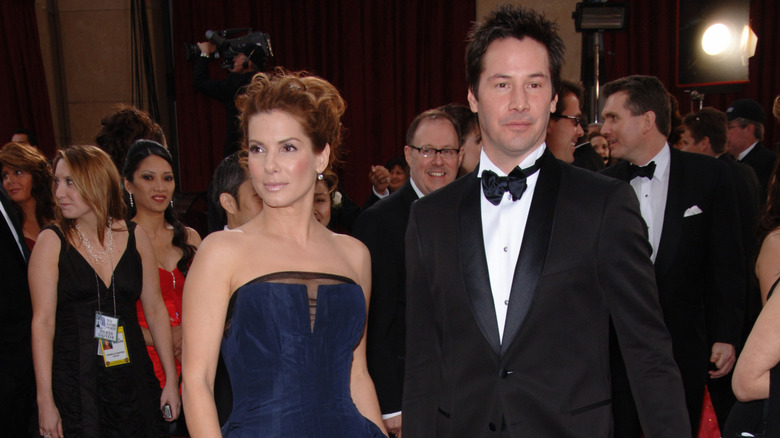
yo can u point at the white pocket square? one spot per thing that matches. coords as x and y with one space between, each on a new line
692 211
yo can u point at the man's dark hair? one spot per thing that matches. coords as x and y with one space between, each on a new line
708 122
432 114
31 138
645 93
513 22
467 120
565 88
228 176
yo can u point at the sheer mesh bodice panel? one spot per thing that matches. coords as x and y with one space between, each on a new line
288 345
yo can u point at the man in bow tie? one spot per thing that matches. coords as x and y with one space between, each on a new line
514 271
688 202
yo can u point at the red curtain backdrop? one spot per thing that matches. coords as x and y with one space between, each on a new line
649 47
390 59
24 98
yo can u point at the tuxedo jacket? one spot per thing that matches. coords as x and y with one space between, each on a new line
699 265
17 381
382 228
762 160
584 258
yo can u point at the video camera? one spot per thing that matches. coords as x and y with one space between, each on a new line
255 45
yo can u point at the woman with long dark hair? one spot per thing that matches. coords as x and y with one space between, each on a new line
149 182
27 179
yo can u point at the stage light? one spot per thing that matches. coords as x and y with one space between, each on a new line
600 16
716 39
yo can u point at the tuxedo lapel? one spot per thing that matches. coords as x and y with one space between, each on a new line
533 252
673 215
10 210
474 263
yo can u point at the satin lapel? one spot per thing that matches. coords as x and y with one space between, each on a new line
673 215
10 210
533 252
474 263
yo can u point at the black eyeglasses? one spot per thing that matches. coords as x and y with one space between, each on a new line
575 119
429 152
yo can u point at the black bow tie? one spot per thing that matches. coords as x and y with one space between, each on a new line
644 171
495 186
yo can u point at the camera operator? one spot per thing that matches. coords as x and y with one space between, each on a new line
224 90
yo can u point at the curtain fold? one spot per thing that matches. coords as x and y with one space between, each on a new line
24 96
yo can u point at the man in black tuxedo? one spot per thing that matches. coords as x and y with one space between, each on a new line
704 132
745 132
17 381
688 202
510 294
433 153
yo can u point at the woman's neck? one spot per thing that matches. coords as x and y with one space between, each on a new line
30 227
152 222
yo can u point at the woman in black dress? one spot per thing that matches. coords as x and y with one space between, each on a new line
94 377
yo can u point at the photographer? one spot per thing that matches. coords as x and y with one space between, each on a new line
224 90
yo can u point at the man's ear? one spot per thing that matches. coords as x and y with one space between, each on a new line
554 104
408 156
472 100
648 121
228 202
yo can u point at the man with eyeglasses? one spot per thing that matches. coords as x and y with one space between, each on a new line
564 127
515 270
745 132
433 153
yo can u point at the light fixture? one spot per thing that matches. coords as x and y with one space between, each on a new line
716 39
600 16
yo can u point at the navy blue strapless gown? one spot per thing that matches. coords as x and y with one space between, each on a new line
288 348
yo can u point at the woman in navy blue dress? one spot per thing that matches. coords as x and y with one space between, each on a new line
282 296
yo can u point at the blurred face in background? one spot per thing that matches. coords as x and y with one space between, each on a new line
18 183
398 177
563 130
152 185
434 171
599 144
322 203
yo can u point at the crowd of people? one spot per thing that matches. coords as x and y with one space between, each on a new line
515 272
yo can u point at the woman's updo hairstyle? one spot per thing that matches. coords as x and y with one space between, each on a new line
316 104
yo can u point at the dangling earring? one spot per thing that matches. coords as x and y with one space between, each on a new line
132 204
171 202
320 176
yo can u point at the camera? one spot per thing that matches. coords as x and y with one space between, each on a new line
255 45
166 410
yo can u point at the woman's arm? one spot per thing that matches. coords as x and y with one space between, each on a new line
361 385
43 275
158 321
760 355
206 295
768 264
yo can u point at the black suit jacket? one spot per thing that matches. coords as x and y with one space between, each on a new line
584 258
17 384
382 228
748 190
762 160
699 264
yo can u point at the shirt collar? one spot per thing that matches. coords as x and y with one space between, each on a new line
661 160
416 189
486 164
746 151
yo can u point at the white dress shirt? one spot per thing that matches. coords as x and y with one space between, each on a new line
503 226
652 197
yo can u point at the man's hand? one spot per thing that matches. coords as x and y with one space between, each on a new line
723 356
393 426
207 47
380 178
